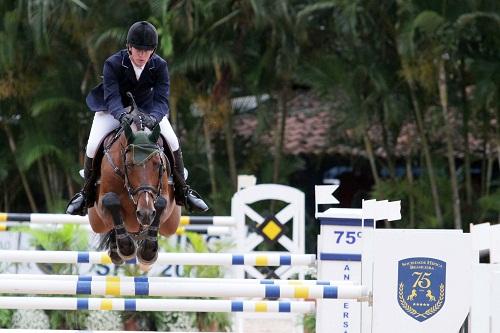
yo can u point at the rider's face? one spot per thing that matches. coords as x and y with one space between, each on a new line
140 57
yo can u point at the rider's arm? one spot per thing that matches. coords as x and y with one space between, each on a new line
112 96
161 91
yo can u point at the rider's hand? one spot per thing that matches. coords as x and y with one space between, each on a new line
126 118
149 121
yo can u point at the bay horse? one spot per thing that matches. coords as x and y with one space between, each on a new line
134 199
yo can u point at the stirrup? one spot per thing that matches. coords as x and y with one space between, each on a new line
202 207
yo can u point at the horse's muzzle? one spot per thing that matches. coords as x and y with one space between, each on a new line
145 216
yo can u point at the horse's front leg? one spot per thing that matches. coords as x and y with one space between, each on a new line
124 242
148 248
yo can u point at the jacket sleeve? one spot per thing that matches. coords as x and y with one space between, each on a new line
161 92
112 96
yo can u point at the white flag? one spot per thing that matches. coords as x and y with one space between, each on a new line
324 194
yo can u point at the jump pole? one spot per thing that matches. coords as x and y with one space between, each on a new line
158 289
146 304
44 218
209 230
162 279
196 259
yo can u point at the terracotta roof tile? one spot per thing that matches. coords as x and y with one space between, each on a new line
312 127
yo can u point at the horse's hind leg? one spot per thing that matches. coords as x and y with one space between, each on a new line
124 242
148 248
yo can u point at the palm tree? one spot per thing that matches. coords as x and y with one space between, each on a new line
17 82
438 35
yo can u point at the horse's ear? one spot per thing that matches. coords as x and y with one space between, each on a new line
128 132
153 137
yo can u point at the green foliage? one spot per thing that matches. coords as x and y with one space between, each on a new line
490 207
5 318
67 319
309 323
419 192
68 237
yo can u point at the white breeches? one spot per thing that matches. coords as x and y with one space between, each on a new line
104 123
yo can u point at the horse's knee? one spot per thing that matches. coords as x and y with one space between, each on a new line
160 204
111 200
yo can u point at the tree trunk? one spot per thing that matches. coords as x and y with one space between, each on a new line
45 185
280 132
222 99
426 151
450 151
489 173
210 156
371 157
231 156
466 116
411 199
24 180
387 146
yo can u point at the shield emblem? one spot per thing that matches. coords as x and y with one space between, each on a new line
421 286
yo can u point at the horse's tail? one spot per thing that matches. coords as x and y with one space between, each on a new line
105 240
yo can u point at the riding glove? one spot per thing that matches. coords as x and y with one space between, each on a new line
126 118
149 121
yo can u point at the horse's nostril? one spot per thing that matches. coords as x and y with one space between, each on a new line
146 216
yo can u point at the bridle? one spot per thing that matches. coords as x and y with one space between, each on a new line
155 149
155 192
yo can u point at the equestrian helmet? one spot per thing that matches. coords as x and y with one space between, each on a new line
142 35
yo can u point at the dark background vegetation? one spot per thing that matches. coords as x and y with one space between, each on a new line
410 89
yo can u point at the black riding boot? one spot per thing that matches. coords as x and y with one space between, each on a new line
184 195
80 202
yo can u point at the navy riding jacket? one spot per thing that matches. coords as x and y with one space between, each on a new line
150 92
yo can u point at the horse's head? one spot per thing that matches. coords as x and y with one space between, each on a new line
145 165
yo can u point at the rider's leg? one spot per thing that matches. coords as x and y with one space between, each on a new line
184 195
102 124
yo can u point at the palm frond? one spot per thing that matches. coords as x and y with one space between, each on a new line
115 34
55 104
428 21
29 155
80 4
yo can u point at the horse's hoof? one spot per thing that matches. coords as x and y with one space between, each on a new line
115 257
126 248
147 255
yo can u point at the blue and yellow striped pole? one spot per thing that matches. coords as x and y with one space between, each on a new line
184 305
196 259
115 287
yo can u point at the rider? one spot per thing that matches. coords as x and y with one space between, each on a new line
139 70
